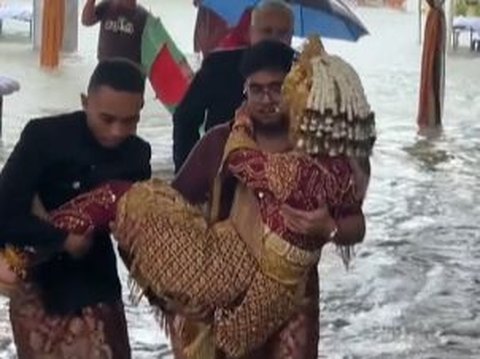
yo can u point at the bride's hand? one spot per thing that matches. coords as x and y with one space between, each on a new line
127 236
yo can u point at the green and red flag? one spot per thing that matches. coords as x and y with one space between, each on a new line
166 66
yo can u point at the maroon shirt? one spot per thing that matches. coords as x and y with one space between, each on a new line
299 338
121 31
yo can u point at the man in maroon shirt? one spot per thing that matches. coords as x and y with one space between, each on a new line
121 27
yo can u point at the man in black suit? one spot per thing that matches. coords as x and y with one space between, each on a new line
217 88
74 298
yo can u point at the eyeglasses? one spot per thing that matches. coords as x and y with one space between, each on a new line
257 92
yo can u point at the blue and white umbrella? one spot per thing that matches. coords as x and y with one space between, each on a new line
328 18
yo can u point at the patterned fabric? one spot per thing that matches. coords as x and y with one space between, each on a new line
198 264
98 332
298 339
266 306
191 253
92 209
295 179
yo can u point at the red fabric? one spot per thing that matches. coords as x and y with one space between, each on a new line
209 30
433 68
239 36
96 208
306 179
169 80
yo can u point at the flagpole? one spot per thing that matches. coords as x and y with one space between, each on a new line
420 22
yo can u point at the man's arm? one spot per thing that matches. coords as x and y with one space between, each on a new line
189 116
92 13
18 184
195 178
351 230
145 169
361 172
146 172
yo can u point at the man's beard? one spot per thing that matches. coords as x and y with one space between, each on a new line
273 128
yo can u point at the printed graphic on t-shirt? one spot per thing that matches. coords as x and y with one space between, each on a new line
120 25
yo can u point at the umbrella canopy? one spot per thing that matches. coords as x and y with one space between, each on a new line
327 18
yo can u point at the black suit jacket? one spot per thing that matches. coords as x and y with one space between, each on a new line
214 95
58 158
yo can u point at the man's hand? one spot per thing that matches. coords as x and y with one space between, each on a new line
89 16
77 245
316 223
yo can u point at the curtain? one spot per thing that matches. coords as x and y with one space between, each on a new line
432 80
52 33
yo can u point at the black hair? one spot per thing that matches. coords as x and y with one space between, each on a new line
267 55
119 74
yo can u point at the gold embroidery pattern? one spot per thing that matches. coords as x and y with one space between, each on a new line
281 171
187 254
265 307
285 262
76 216
239 139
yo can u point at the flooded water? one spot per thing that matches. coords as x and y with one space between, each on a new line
414 288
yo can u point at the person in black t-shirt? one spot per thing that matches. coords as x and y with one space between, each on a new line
121 27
